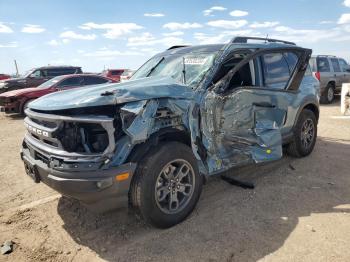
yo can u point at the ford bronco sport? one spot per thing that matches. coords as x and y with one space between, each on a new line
187 113
37 76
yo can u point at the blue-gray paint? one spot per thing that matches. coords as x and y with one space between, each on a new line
231 129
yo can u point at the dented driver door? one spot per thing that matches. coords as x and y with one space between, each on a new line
242 117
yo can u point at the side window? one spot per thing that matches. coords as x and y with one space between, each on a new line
323 64
92 80
44 73
344 65
276 70
335 64
292 60
36 74
72 81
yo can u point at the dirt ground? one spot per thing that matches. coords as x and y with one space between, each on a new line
299 211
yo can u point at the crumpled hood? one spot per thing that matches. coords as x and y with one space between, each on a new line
108 94
19 92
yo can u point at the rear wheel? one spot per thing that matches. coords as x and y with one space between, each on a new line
167 185
327 96
305 134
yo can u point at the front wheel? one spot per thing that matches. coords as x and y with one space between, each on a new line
167 185
305 134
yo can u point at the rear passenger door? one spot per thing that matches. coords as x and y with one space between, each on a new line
246 113
338 74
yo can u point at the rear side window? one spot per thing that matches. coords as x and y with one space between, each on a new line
335 65
92 80
276 70
292 60
323 64
72 81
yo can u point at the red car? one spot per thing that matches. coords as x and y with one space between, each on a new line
16 101
4 76
114 73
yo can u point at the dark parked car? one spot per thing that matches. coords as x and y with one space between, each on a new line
37 76
187 113
16 101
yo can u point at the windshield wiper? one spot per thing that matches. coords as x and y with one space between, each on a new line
152 69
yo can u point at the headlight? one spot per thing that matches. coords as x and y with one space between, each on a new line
2 85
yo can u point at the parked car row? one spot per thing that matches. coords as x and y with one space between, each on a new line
37 76
17 101
16 93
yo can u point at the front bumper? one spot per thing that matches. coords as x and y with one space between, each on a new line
10 108
99 189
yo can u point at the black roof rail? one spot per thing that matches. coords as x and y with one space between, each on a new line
244 39
177 46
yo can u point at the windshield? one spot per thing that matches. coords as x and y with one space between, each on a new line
188 69
51 82
29 72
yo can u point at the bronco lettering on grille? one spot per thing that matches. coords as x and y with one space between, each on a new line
36 130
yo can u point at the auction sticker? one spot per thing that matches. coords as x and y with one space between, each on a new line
195 60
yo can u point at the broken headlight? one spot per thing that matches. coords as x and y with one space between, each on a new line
83 137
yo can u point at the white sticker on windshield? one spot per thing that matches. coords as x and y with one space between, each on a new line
195 60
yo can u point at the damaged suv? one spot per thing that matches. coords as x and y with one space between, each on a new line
187 113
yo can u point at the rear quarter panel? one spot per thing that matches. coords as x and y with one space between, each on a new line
308 93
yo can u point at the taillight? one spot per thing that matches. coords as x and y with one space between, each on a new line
318 76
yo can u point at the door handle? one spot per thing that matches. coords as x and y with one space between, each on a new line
264 104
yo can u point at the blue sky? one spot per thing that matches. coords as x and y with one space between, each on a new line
124 34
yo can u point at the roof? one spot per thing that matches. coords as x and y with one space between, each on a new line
51 67
218 47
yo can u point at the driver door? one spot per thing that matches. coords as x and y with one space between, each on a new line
244 112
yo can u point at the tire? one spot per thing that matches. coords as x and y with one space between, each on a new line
25 105
327 96
303 144
158 207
